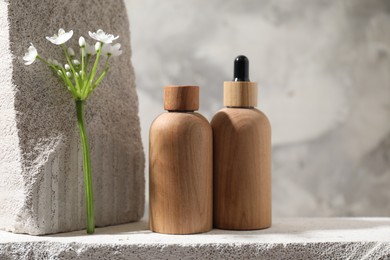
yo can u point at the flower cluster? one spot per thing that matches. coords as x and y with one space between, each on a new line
79 75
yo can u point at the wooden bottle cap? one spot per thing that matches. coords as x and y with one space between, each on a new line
240 94
181 98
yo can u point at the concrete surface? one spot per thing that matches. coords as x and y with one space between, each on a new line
294 238
323 72
41 179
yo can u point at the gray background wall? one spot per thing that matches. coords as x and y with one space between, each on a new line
323 69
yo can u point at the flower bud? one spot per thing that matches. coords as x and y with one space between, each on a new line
75 62
50 61
68 74
67 67
76 75
59 72
55 62
71 51
82 42
98 45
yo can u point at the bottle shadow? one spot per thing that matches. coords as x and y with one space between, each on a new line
280 226
297 226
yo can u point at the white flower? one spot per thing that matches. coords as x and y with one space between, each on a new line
82 41
97 46
89 49
67 67
61 37
76 75
71 51
75 62
113 50
68 74
31 54
101 36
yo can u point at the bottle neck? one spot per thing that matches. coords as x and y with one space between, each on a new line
241 107
240 94
181 111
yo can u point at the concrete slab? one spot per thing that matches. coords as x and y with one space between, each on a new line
295 238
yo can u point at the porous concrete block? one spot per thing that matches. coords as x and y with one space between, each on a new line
297 238
41 177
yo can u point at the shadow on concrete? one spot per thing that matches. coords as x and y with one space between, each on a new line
291 226
281 226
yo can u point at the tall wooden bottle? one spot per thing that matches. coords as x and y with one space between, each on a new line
242 156
180 165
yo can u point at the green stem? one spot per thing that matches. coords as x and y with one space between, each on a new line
87 167
100 78
108 58
64 78
71 66
82 63
44 61
97 82
87 63
93 72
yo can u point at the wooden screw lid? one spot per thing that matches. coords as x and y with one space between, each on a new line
240 94
181 98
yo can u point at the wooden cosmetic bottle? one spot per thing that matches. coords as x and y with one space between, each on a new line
242 156
180 165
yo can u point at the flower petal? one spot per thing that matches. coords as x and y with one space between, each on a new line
61 38
103 37
29 62
81 42
31 54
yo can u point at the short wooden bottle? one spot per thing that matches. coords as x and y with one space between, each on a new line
242 157
180 165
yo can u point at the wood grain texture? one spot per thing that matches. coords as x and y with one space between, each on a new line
180 169
181 98
242 169
239 94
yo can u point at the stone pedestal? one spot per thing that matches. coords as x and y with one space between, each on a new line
297 238
41 178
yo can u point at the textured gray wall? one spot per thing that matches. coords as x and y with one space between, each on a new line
323 69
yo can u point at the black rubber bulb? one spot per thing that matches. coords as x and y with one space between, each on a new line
241 68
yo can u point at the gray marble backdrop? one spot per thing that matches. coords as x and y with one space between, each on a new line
323 69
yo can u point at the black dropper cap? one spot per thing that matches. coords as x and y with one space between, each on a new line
241 68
